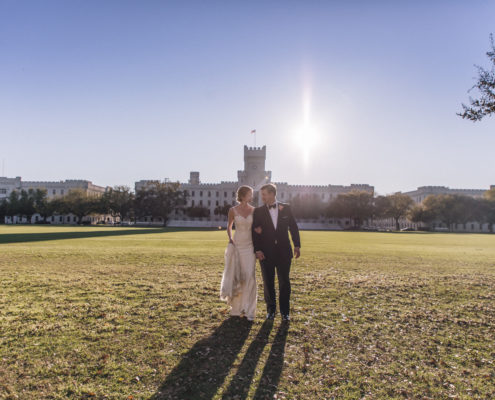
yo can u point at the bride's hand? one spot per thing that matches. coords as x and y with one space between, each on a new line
231 241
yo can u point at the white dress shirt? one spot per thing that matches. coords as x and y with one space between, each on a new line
274 214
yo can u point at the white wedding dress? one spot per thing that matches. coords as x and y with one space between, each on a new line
238 287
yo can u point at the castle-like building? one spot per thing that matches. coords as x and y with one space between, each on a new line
422 192
254 174
213 195
53 188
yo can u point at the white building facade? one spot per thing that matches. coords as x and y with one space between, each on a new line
254 174
421 193
53 189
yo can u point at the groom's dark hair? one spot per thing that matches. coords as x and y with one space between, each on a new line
270 187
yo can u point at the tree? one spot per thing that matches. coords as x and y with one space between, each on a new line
159 200
197 212
398 206
41 203
222 210
117 201
26 204
485 104
490 194
307 206
13 204
487 205
419 213
356 205
450 208
381 205
3 210
78 203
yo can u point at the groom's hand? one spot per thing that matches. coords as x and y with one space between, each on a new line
297 252
260 256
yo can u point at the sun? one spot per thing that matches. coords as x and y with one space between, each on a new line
306 139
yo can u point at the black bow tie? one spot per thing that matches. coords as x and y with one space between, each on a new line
272 206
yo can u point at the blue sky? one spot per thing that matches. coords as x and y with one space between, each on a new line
339 92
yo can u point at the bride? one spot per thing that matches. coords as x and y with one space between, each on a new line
238 287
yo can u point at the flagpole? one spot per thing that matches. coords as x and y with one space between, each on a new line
254 131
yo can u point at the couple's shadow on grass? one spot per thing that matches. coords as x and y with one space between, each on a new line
204 368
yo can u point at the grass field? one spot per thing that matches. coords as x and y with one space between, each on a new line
134 313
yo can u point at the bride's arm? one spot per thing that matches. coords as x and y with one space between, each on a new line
230 223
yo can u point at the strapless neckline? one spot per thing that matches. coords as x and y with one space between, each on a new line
239 215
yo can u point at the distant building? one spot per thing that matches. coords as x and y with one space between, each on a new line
423 192
254 174
53 188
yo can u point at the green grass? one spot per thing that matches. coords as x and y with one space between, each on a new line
134 313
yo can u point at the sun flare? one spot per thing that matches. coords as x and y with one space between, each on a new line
306 139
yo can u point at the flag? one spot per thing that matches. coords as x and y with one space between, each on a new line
253 131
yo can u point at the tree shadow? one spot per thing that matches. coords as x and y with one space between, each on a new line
43 236
203 369
240 383
274 364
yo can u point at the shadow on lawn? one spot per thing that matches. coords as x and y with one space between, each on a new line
203 369
42 236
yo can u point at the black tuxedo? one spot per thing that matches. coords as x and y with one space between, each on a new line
276 246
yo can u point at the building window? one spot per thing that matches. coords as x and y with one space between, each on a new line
201 193
201 202
233 202
209 202
224 194
61 191
209 193
233 194
192 193
54 191
192 203
218 194
217 203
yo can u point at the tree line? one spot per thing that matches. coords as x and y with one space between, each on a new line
162 200
361 206
157 201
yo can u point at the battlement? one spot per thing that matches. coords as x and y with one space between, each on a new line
61 182
445 188
202 185
324 187
255 150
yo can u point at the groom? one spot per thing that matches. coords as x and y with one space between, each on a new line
271 223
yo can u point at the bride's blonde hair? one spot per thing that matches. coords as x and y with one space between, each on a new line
243 191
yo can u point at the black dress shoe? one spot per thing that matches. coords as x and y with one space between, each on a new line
270 315
285 317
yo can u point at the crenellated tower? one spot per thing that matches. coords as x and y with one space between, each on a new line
254 173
